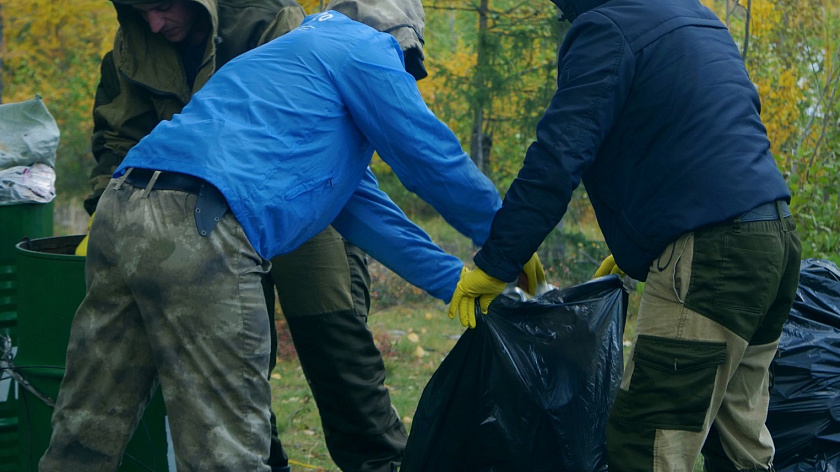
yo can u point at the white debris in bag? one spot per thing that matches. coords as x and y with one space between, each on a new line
27 184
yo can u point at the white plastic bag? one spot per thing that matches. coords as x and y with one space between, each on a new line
27 184
28 134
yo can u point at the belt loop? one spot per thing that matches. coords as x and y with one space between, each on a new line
151 184
122 179
781 217
736 225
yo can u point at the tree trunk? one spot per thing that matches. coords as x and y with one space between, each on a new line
479 149
747 30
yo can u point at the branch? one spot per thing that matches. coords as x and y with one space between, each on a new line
832 82
747 30
825 98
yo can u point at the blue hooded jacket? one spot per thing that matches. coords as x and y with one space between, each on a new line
286 132
656 114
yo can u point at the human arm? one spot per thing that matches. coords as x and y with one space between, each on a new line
373 222
427 158
595 73
116 126
424 154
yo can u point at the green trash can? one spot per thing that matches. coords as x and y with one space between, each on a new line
18 221
51 286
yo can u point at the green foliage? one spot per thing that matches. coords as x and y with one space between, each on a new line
54 51
817 206
493 78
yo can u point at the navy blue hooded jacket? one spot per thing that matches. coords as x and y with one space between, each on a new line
655 113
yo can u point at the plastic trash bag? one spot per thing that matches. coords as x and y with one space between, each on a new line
804 412
28 134
529 389
27 184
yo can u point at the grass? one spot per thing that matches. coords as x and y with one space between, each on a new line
413 338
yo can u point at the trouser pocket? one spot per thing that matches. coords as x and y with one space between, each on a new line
671 385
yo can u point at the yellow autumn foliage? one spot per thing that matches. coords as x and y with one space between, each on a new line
781 98
53 48
313 6
46 42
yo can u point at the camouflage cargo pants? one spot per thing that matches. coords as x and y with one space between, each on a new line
165 305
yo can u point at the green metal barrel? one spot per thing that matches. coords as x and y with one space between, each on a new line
17 221
51 286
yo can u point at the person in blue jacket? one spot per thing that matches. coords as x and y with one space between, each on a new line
184 232
655 113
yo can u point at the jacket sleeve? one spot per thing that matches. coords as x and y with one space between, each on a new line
287 19
424 154
595 71
373 222
116 128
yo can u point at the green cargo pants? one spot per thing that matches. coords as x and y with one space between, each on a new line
709 323
323 288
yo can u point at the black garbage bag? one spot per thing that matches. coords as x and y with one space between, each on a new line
804 412
528 389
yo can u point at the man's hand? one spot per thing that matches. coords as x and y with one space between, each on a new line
608 267
534 273
473 284
81 249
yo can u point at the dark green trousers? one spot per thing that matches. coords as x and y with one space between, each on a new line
324 293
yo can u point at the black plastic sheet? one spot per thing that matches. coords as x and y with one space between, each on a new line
804 412
529 389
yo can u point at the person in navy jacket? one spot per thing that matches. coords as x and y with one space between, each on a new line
655 113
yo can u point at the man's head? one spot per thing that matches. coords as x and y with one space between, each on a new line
176 20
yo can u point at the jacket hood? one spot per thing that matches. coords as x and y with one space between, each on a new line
573 8
402 19
148 58
125 12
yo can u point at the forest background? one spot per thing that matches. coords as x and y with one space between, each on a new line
492 72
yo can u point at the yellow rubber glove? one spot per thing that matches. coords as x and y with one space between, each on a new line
608 267
81 249
535 274
473 284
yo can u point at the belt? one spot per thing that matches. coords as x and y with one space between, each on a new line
766 212
210 205
140 178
